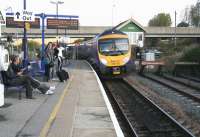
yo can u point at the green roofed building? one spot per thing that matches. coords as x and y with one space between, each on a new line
134 30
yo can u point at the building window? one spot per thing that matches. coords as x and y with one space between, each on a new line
140 37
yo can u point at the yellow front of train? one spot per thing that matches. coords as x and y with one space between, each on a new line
114 54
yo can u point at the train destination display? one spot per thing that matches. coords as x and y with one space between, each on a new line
10 23
62 24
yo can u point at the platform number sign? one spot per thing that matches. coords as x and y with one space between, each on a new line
25 15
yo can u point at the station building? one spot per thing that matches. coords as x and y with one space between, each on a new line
134 30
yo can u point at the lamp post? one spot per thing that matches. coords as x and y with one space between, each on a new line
56 3
113 6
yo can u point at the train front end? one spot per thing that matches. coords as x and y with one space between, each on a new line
114 53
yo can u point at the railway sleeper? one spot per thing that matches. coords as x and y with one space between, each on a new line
141 130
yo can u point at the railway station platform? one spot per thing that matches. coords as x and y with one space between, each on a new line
78 108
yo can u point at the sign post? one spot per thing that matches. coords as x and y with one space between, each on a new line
24 41
43 37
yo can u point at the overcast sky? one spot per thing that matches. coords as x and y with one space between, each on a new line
99 12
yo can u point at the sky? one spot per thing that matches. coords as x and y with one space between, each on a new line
104 12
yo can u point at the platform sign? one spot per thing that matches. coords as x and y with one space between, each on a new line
71 24
10 23
24 15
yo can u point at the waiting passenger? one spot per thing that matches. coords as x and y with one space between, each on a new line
49 59
58 53
16 77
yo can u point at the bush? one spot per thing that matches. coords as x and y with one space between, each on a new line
192 55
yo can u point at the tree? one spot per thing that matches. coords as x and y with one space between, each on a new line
32 45
186 15
33 48
183 24
195 14
161 19
192 14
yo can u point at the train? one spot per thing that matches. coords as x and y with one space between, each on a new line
109 53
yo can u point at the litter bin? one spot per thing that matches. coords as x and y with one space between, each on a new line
1 95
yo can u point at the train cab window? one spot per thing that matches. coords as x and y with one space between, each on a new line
121 44
113 46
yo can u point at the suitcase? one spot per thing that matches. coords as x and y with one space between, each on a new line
62 75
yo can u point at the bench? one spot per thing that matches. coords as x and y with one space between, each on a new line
7 85
143 64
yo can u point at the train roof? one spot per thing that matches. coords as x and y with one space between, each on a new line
111 31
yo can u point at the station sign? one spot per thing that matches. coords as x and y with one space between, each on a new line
10 23
24 15
71 24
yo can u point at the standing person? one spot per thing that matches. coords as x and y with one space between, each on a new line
58 52
49 59
16 77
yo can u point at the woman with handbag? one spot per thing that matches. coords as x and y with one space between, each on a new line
49 65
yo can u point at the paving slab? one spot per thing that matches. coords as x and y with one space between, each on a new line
26 117
83 112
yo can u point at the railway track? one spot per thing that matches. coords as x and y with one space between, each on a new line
144 117
184 90
190 78
184 81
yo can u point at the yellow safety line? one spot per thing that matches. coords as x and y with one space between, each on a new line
53 114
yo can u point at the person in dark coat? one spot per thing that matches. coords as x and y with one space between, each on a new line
49 59
16 77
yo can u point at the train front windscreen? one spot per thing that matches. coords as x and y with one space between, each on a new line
113 47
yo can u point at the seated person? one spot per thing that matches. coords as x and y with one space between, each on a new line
16 77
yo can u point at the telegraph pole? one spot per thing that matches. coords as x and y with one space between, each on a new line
175 31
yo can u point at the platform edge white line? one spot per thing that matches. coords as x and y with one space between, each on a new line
118 129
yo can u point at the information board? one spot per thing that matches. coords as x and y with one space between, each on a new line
10 23
71 24
24 15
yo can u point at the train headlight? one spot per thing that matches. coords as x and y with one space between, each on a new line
103 61
126 59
